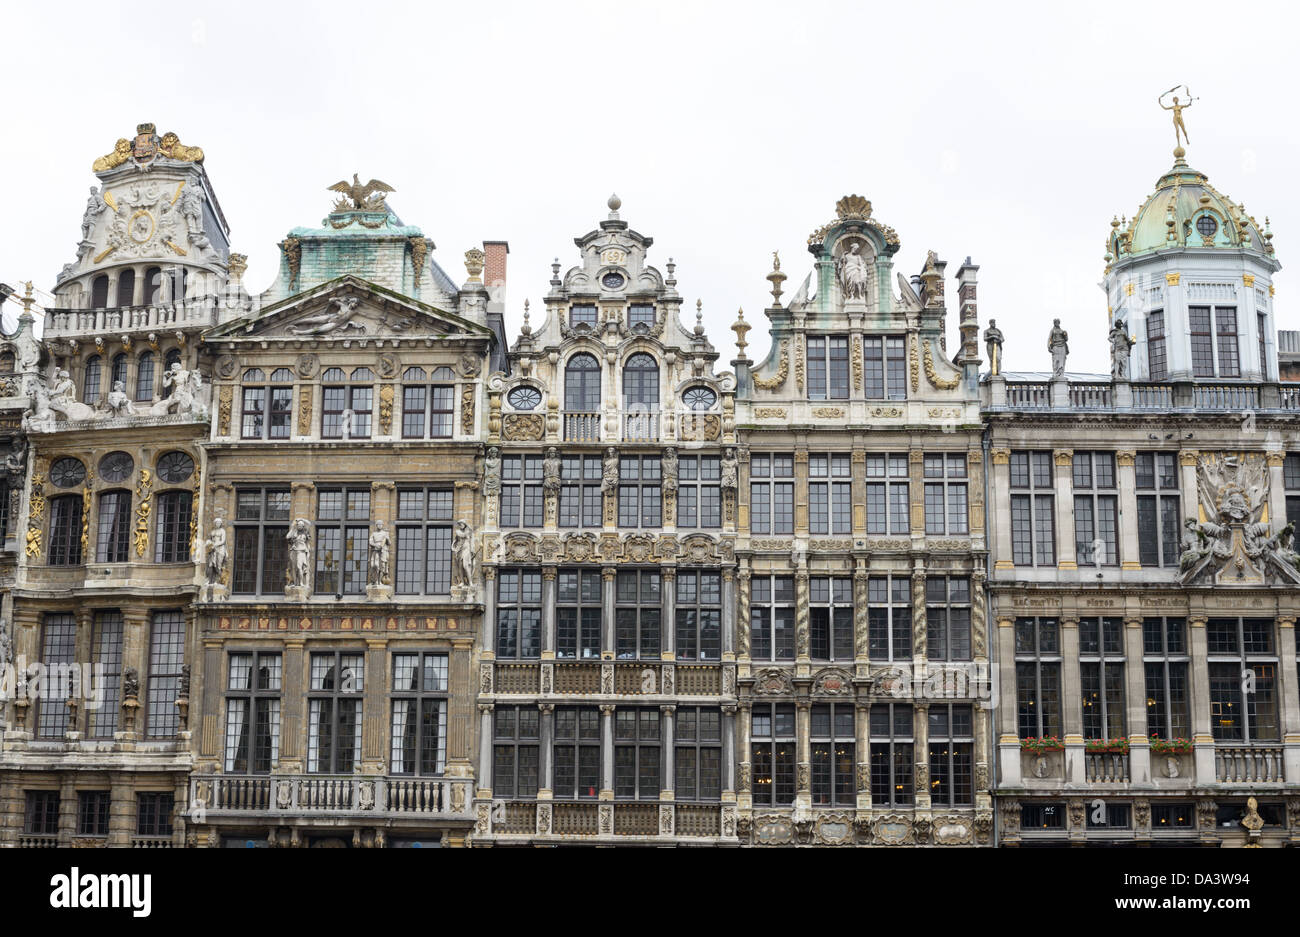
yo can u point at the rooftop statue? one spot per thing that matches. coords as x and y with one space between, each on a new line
1058 343
368 197
1120 343
1177 108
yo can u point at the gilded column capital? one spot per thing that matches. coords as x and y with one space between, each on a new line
606 572
549 572
669 573
1063 456
1000 456
1275 459
1189 457
1125 457
484 708
1286 621
387 486
1197 621
607 709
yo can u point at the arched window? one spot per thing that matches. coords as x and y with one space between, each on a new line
641 383
119 372
153 288
126 287
99 292
6 362
113 529
144 377
582 384
90 383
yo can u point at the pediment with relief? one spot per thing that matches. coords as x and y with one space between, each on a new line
351 309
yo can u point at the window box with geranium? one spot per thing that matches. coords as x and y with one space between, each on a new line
1042 745
1106 746
1178 746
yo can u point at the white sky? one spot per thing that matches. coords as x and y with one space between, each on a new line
1011 133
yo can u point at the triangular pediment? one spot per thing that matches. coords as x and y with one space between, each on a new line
349 308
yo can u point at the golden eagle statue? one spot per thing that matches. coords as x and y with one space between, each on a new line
358 197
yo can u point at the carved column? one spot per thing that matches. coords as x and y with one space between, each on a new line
728 613
1071 700
1190 495
1290 708
1201 734
460 707
295 680
975 471
1276 491
921 739
743 650
1008 728
374 703
861 644
488 638
978 617
1001 490
801 633
548 612
1135 695
982 772
803 749
800 492
744 751
668 629
859 491
606 751
862 725
1129 556
667 786
609 627
916 490
920 640
729 753
485 751
1064 488
546 761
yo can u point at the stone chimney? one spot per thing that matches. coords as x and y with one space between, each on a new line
968 321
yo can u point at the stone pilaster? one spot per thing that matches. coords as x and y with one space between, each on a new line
1063 467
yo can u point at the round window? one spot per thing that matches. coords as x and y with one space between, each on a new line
613 281
525 398
700 398
1207 226
67 473
116 466
174 467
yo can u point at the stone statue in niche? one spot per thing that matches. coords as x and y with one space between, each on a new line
299 538
215 547
729 477
669 469
492 471
1058 345
551 470
377 573
609 476
1120 344
853 272
463 552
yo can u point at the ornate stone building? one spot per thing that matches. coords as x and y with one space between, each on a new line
337 622
607 678
97 749
861 644
1144 584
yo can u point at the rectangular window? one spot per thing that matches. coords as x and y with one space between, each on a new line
830 495
42 817
771 497
1042 816
771 617
1225 328
166 657
519 614
885 367
427 411
577 614
640 485
889 618
1038 677
945 493
261 529
699 492
334 726
113 530
65 530
1159 520
892 741
834 754
1157 362
172 530
887 494
1261 326
424 517
1165 662
947 618
952 751
419 715
582 315
154 814
773 752
254 412
58 653
1033 528
577 752
641 314
828 367
830 618
1101 655
1096 509
521 491
516 751
1202 337
697 759
92 812
1165 816
253 713
580 495
1239 647
699 615
108 654
637 754
638 609
342 540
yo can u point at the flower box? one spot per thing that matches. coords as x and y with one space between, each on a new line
1039 746
1178 746
1106 746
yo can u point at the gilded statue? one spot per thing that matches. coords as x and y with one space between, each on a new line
1177 108
368 197
170 146
121 153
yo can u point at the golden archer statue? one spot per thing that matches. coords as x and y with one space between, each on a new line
1179 126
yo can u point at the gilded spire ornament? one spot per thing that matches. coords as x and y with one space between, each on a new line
1180 129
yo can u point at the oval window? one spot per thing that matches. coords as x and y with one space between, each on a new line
174 467
525 398
67 473
699 398
116 466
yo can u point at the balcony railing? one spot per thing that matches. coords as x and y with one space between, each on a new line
641 426
621 819
1028 397
582 427
1153 396
1215 395
325 795
1289 396
1090 396
1248 765
1106 767
152 842
1226 397
190 312
29 841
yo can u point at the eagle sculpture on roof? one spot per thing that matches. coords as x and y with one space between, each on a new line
358 197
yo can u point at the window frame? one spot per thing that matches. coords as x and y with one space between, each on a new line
263 709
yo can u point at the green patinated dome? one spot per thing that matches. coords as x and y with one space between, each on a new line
1186 211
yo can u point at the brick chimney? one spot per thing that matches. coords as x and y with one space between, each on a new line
968 321
494 274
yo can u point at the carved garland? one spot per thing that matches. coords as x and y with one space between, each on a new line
915 364
932 377
467 409
304 411
35 515
142 491
857 362
799 365
194 513
85 512
223 410
385 409
772 383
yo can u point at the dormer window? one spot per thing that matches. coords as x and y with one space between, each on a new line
613 280
1206 226
582 315
641 316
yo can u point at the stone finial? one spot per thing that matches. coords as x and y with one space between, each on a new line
671 280
776 278
614 203
555 273
741 328
474 261
525 329
699 317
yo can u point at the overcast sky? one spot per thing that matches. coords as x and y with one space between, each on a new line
1008 133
